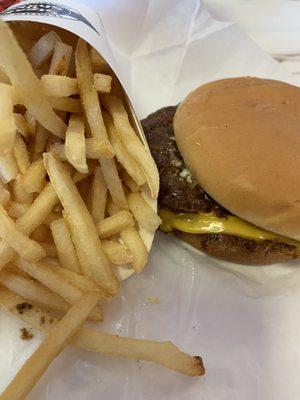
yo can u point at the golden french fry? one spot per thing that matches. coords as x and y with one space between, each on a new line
95 148
131 142
54 343
75 144
19 192
135 244
92 259
34 179
82 282
8 168
102 83
49 276
33 217
67 104
117 253
7 121
4 196
18 241
128 163
21 154
59 86
27 85
64 245
89 95
61 58
143 213
43 49
97 61
115 224
113 183
31 122
17 209
33 291
132 239
98 195
41 139
162 353
129 182
50 249
21 125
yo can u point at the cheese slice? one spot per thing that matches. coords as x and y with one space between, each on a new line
202 223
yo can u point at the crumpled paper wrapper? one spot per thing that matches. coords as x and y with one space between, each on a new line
244 321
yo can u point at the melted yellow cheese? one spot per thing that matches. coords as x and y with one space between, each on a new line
201 223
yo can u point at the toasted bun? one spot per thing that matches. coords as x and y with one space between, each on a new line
241 139
239 250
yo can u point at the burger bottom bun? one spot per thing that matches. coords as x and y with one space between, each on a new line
239 250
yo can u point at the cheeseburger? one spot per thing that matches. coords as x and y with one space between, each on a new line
229 164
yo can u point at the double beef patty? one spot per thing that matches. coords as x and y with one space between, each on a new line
180 192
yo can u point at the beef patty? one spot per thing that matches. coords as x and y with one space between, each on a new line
180 192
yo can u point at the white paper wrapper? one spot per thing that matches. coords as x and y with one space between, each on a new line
244 321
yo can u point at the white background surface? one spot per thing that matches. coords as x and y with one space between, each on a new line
244 321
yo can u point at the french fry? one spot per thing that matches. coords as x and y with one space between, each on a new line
18 241
50 277
50 249
135 244
163 353
29 89
132 239
4 196
34 179
102 83
82 282
3 77
64 245
97 61
41 139
117 253
128 163
114 224
19 193
59 86
98 195
31 122
8 168
143 213
131 142
54 343
96 149
21 154
16 209
33 292
113 183
21 125
33 217
92 259
75 144
7 121
67 104
43 49
89 95
61 59
129 182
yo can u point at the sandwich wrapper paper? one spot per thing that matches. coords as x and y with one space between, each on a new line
244 321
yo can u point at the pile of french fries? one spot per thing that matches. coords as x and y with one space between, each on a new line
73 172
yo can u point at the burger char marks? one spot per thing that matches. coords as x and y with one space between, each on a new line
178 189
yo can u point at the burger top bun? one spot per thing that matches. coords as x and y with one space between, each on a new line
240 138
